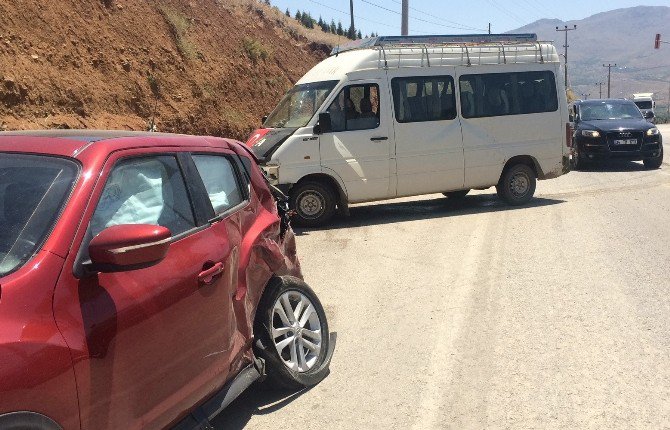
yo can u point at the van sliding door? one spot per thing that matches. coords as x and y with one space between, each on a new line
428 140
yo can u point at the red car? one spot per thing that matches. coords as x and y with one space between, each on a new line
145 281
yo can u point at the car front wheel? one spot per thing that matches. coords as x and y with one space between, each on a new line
655 162
292 329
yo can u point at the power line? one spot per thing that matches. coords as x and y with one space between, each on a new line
432 15
356 16
506 12
415 18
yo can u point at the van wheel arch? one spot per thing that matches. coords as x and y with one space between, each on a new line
523 159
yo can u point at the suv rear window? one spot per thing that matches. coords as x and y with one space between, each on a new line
33 190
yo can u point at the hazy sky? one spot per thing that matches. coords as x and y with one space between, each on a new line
449 17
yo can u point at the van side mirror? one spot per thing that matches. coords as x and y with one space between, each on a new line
324 125
265 118
571 118
128 247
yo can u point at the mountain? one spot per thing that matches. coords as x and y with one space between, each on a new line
621 36
205 66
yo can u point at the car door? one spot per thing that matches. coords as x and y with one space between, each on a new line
428 139
150 343
358 147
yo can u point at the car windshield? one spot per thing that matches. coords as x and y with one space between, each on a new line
644 104
33 189
299 105
609 110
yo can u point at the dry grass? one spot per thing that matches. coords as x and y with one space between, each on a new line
291 26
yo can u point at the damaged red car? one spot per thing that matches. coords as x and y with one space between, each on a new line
145 281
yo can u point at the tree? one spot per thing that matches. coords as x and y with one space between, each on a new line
333 27
267 2
298 15
288 13
340 30
359 35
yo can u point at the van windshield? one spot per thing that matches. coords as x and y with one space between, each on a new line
299 105
644 104
33 189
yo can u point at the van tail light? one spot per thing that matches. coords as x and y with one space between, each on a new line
568 134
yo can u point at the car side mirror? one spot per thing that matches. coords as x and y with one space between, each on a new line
324 125
265 118
128 247
571 118
648 114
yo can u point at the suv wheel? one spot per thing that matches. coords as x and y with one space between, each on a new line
654 163
313 202
292 329
517 185
576 161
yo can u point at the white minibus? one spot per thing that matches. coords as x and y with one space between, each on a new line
390 117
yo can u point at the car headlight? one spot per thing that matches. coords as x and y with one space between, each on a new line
653 132
590 133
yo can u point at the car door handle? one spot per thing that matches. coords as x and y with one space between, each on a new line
206 277
378 139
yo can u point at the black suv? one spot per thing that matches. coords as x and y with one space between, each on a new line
607 129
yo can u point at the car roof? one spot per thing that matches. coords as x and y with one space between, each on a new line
72 143
601 101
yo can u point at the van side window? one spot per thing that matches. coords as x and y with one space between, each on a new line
356 107
424 98
498 94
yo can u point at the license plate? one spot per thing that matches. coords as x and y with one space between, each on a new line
625 141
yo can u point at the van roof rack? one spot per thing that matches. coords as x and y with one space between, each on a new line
435 40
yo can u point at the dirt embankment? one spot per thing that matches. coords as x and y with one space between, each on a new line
205 66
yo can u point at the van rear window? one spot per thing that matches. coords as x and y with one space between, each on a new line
516 93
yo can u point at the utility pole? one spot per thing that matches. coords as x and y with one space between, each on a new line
600 85
609 76
489 28
352 28
565 30
404 29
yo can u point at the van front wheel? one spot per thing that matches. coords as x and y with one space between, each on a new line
517 185
313 202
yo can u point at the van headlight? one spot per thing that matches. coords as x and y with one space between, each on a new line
590 133
272 173
653 132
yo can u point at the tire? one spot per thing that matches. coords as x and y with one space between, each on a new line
577 162
456 194
517 185
286 367
654 163
313 202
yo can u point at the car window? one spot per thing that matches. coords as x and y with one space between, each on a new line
356 107
33 190
147 190
220 179
427 98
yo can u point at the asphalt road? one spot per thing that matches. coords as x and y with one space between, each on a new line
473 314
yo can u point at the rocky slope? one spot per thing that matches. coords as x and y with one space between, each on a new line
204 66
